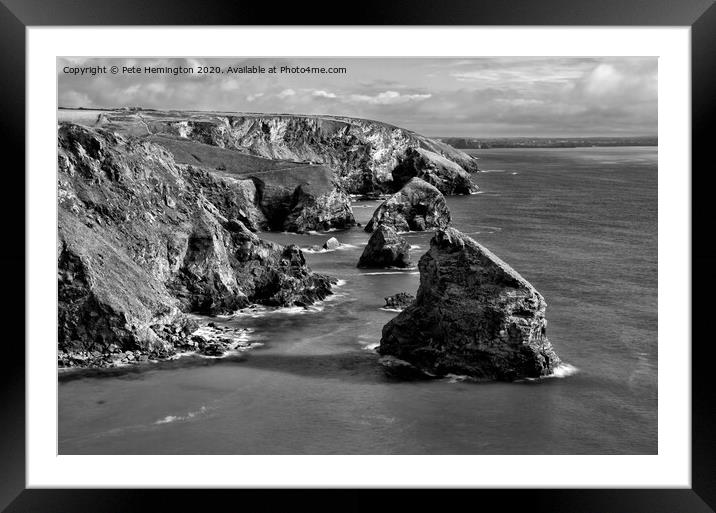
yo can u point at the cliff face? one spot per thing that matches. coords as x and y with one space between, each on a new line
142 240
473 315
361 153
289 196
440 172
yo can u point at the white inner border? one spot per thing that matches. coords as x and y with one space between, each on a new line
670 468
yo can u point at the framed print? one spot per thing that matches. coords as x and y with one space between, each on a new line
456 251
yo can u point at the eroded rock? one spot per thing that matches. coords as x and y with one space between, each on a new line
385 248
473 315
130 264
417 206
399 301
446 175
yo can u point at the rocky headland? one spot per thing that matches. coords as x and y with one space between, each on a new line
143 241
473 315
361 154
444 174
158 222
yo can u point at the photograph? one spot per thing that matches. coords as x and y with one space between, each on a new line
357 255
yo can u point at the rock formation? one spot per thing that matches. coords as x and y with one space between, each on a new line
473 315
385 248
447 176
417 206
143 240
399 301
361 153
282 195
331 243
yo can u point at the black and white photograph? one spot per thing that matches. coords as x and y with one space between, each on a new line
357 256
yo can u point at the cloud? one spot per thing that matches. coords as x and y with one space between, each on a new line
286 93
389 97
520 96
323 94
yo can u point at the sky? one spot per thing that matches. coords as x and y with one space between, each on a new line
439 97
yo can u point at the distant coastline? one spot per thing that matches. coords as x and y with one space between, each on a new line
469 143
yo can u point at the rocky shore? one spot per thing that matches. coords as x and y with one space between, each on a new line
209 340
399 301
159 216
140 245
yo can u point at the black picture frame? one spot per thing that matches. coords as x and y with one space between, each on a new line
700 15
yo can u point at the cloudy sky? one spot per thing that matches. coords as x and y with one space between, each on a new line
480 97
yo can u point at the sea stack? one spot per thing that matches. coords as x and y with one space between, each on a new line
473 315
385 248
418 206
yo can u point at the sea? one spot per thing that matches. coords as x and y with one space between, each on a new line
579 223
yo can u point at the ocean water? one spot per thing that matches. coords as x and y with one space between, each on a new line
579 224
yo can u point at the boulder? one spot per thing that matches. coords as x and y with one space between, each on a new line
417 206
331 243
447 176
473 315
213 349
385 248
399 301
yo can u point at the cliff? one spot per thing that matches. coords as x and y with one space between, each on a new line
290 196
443 174
142 240
361 153
473 315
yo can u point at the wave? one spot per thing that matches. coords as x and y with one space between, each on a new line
457 378
174 418
386 309
264 311
389 272
563 370
315 232
342 247
231 352
259 311
416 232
368 342
492 170
415 246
